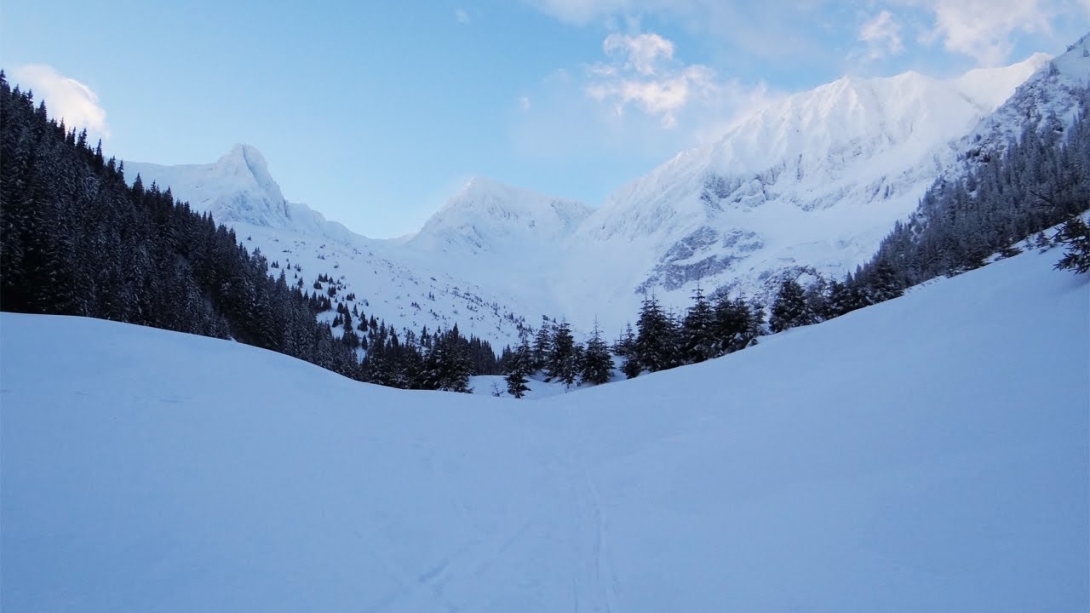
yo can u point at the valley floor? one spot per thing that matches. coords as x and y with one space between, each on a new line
931 453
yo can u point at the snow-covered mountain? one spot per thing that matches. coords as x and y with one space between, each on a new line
156 471
237 188
490 217
811 182
409 294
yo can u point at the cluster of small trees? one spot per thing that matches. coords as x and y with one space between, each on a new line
709 329
439 360
556 354
662 340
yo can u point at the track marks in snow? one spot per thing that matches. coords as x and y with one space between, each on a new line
594 564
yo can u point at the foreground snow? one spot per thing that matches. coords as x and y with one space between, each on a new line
927 454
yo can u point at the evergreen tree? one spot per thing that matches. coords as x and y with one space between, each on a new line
697 331
1075 236
597 364
625 346
518 370
542 347
737 323
790 310
656 339
562 363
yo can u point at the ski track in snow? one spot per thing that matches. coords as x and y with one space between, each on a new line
591 526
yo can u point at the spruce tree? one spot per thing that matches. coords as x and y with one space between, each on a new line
1075 237
790 309
656 339
697 331
626 343
518 370
562 363
542 346
597 364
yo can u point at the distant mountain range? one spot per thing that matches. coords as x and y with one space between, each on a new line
809 183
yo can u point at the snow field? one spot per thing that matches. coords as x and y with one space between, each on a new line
929 453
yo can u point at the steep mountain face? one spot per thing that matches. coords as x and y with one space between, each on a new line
1054 91
237 188
811 181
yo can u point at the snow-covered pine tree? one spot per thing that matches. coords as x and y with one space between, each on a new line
562 363
1074 235
518 370
542 346
790 310
656 339
697 331
597 364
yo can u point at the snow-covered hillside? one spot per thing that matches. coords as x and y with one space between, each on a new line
926 454
1055 91
406 292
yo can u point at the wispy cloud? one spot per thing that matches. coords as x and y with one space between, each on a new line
984 29
882 35
65 97
792 31
462 17
639 101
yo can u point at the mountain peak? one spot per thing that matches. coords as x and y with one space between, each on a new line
487 213
1075 63
235 188
245 161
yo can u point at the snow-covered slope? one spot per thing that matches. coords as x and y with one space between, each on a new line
406 292
926 454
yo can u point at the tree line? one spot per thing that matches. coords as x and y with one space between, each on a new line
1038 181
78 240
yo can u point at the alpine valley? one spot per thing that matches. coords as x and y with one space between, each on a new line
857 377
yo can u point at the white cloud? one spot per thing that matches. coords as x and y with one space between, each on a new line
882 35
64 97
794 32
643 72
462 17
984 29
524 103
640 52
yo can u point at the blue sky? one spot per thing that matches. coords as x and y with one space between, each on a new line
375 112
